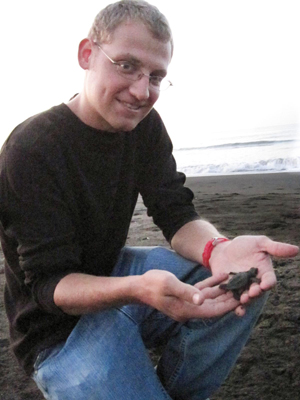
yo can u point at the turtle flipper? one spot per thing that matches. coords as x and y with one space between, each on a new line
223 286
236 294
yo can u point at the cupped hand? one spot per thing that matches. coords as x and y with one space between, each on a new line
245 252
180 301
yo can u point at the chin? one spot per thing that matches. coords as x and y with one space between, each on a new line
126 126
126 120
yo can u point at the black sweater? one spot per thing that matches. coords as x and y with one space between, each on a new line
67 195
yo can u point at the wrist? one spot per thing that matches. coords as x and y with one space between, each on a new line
137 289
209 248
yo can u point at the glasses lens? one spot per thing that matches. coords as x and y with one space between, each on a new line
164 85
128 70
132 72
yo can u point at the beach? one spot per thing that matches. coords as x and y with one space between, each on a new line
260 204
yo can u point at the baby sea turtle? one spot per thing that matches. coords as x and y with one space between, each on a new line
240 282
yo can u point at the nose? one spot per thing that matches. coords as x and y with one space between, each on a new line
140 88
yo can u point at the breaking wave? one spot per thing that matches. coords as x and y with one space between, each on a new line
263 166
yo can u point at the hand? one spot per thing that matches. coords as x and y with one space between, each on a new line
180 301
245 252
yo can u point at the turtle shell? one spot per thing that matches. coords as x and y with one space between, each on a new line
240 281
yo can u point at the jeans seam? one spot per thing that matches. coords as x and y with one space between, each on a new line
128 316
172 378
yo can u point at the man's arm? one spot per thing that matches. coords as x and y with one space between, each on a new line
78 294
190 240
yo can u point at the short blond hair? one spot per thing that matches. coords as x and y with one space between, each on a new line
111 16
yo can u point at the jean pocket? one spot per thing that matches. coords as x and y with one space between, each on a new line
44 354
41 358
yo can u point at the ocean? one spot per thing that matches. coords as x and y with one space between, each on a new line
261 150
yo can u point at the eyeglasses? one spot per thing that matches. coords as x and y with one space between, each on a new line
131 71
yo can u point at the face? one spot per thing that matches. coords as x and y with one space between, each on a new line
109 101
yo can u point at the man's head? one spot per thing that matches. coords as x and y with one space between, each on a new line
125 56
114 14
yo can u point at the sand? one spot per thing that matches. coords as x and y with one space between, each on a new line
262 204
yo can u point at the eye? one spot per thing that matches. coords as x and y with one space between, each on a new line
127 68
156 80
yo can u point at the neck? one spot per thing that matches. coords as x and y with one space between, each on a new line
77 105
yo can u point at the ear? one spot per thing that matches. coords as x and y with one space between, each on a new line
84 53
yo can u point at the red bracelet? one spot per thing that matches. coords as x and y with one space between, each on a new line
209 248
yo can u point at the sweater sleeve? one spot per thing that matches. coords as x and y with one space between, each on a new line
168 201
37 221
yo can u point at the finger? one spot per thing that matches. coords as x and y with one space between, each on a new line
217 308
197 299
268 280
254 290
245 298
211 281
216 293
240 311
186 292
249 294
210 287
279 249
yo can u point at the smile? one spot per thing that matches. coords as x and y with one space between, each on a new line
130 106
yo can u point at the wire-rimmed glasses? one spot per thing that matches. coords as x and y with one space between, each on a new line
132 71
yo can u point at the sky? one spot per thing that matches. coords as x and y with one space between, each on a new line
235 66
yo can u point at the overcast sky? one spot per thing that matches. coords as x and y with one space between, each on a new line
235 67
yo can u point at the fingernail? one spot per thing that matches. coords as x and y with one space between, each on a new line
196 298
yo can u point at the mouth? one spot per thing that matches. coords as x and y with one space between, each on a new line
130 106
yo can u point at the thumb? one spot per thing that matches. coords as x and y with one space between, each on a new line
197 298
188 293
279 249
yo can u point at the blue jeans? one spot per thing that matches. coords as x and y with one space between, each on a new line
106 356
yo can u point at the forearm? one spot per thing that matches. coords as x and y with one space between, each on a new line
78 294
190 240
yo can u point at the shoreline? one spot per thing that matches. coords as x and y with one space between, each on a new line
247 183
245 173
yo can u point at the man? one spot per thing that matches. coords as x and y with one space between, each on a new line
83 309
